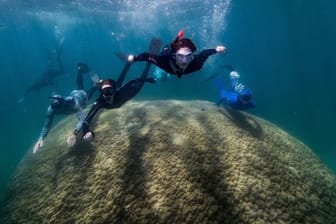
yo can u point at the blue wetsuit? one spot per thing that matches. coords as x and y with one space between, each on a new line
231 97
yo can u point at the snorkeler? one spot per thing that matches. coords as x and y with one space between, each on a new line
238 96
50 74
74 103
178 57
113 95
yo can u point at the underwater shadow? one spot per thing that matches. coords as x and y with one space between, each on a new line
208 178
244 122
80 152
134 174
74 166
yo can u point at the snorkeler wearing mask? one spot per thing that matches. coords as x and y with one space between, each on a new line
178 57
113 95
72 104
238 96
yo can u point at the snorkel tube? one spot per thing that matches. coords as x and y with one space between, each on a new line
179 36
171 48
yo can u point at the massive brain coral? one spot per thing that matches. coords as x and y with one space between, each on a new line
172 162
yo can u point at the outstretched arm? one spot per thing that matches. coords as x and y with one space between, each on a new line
45 130
71 140
87 133
47 123
84 124
145 56
203 56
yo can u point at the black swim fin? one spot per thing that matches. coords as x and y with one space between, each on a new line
154 48
123 73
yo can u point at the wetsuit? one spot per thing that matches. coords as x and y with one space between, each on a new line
231 97
166 61
123 93
75 103
49 75
69 105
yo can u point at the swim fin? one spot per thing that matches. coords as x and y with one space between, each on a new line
154 48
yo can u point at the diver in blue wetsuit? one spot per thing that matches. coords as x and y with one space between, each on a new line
238 96
74 103
177 58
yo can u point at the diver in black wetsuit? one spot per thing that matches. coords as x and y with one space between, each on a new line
74 103
113 94
177 58
49 75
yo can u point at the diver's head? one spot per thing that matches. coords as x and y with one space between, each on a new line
184 42
108 90
55 100
183 57
245 96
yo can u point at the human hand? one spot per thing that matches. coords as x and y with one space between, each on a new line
95 79
130 58
71 140
88 136
221 49
37 145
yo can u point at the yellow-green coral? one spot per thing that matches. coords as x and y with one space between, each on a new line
173 162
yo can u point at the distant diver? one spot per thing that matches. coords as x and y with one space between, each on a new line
178 57
47 78
238 96
74 103
113 95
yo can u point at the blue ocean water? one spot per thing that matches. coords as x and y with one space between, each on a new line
284 50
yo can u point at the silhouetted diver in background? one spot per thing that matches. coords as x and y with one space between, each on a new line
49 75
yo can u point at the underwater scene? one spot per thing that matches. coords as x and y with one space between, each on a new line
214 111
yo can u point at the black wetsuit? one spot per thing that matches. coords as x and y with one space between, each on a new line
122 95
123 92
49 75
166 61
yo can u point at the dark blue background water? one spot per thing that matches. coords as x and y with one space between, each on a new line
284 50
